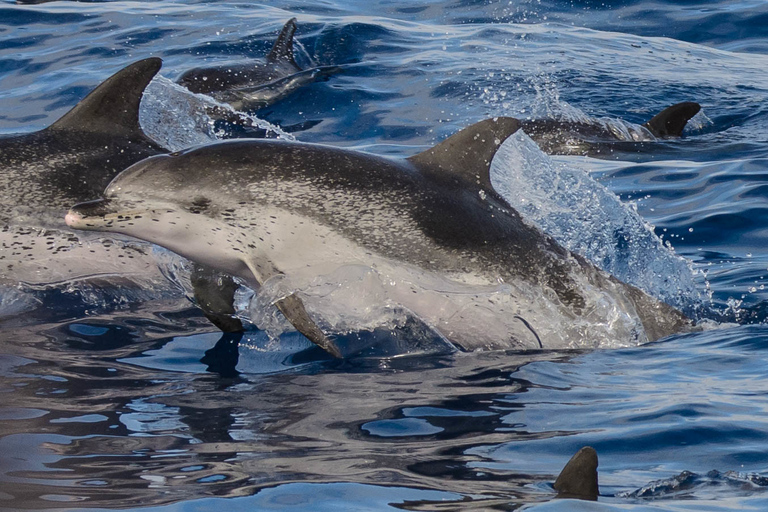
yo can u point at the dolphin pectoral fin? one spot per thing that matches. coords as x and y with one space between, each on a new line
283 47
293 309
671 121
215 295
578 479
467 155
113 107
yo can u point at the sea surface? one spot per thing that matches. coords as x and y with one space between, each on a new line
111 403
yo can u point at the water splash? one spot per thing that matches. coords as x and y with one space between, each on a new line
178 119
590 220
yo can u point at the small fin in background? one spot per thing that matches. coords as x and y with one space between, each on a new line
467 155
671 121
283 47
578 479
293 309
215 295
113 107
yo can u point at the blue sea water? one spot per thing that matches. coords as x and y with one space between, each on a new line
124 405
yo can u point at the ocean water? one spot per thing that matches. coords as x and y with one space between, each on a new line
110 402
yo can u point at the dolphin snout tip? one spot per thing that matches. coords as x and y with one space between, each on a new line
72 218
77 216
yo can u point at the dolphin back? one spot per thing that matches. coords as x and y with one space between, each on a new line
467 155
578 479
113 107
282 50
671 121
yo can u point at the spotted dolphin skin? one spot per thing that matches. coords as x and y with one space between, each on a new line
590 138
253 85
42 172
431 230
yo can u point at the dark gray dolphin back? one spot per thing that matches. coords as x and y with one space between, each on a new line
282 50
671 121
113 107
578 479
78 155
467 155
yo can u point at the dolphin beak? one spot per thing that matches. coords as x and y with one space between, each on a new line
80 215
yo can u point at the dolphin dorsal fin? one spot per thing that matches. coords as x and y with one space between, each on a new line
578 479
468 153
113 107
283 47
671 121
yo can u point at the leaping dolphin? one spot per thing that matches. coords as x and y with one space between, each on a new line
444 244
588 138
254 85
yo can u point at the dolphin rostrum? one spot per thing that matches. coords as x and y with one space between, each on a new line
430 232
586 138
254 85
42 173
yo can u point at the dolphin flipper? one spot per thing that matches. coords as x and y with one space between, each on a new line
293 309
671 121
113 107
578 479
215 295
283 47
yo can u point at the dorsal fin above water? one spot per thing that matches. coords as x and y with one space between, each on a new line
468 153
113 107
283 47
578 479
671 121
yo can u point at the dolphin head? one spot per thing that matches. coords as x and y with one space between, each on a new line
154 200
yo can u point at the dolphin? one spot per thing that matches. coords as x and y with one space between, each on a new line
254 85
558 137
429 231
42 173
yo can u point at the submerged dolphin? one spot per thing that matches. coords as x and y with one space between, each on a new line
431 230
585 138
255 85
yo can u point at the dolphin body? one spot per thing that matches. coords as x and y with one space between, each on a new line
256 84
43 172
292 217
557 137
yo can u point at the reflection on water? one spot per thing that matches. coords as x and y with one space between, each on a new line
148 411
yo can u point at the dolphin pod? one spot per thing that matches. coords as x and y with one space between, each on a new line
254 85
278 212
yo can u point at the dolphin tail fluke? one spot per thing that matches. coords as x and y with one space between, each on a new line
578 479
215 295
467 154
671 121
282 50
293 309
113 107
